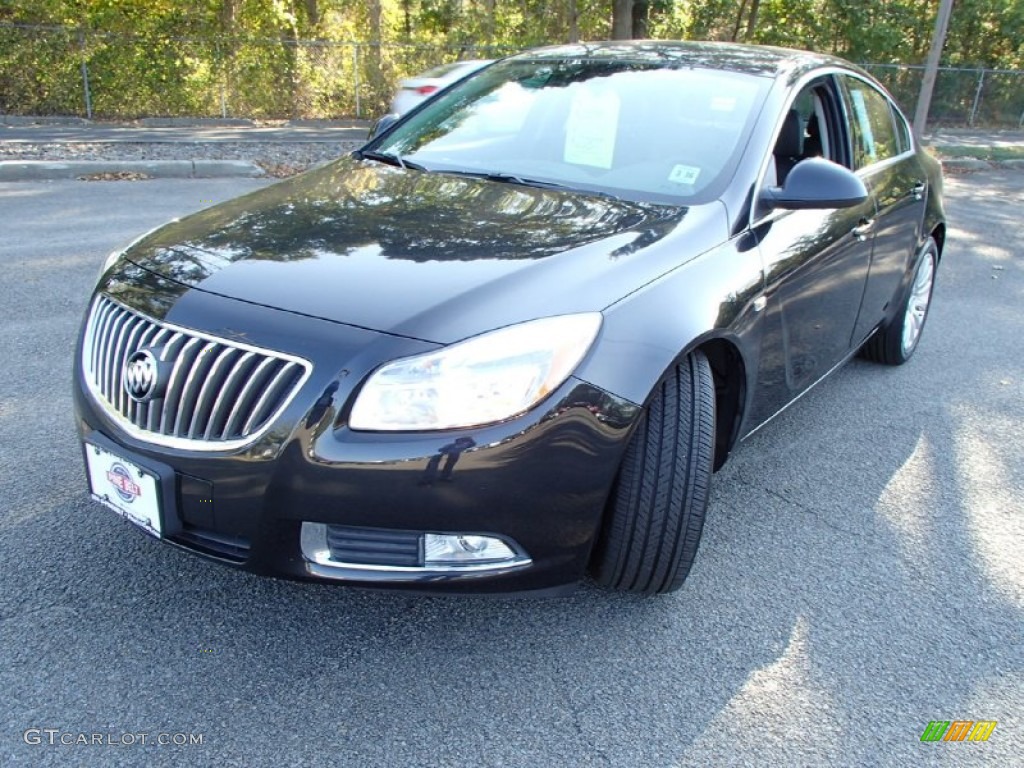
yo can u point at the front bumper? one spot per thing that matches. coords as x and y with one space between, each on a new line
539 481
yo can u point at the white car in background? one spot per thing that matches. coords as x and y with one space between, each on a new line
414 90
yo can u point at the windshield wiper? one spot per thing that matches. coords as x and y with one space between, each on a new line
384 157
510 178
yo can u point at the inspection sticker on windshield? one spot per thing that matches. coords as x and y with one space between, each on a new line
591 128
684 174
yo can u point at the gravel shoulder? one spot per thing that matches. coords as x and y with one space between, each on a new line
286 158
283 149
276 158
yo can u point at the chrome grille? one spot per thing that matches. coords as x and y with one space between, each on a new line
219 394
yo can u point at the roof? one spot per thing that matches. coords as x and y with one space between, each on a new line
764 61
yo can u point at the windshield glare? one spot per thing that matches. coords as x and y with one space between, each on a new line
621 127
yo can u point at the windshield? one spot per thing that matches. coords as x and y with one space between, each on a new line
630 128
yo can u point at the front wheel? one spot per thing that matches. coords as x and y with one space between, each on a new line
894 343
656 510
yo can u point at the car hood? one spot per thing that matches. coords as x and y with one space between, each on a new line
426 255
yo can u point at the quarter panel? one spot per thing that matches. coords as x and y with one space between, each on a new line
935 212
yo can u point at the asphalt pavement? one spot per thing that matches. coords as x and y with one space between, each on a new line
861 571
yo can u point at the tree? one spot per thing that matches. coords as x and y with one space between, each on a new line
182 56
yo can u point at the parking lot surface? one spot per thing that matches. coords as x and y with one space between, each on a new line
861 572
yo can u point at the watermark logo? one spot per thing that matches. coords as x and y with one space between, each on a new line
55 736
959 730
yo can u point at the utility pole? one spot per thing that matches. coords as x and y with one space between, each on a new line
931 67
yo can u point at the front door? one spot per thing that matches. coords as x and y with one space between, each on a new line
816 264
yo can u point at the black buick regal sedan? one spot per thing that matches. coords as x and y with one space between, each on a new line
507 342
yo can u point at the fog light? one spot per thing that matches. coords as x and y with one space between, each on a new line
458 549
382 554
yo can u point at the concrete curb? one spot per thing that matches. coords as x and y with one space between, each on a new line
27 121
44 170
977 164
216 169
190 122
966 163
23 120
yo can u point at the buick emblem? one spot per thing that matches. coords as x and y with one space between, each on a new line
141 376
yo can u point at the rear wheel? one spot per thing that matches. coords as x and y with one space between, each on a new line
895 343
656 511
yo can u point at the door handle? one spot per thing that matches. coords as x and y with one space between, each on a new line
917 192
862 230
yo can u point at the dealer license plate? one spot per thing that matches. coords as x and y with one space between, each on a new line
125 487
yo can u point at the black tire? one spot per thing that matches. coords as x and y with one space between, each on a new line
656 509
888 345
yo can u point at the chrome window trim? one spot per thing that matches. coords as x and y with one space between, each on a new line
183 443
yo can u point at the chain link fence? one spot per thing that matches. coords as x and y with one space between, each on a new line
50 70
991 98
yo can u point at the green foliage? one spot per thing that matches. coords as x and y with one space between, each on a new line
322 58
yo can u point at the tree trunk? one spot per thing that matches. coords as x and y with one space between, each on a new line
640 19
622 19
739 21
227 16
755 6
312 13
489 20
574 19
373 8
374 74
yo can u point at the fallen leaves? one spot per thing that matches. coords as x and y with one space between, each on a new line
115 176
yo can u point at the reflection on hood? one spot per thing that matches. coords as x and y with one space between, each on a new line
412 215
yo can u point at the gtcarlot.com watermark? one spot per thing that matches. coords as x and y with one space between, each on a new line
57 737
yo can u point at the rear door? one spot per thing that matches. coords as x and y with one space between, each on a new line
884 157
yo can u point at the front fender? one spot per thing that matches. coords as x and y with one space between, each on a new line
710 297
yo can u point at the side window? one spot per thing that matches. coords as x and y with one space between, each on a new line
902 131
812 125
808 130
872 129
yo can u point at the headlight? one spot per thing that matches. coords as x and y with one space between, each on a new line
109 262
485 379
113 256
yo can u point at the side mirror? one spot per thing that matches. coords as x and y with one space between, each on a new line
816 183
382 125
